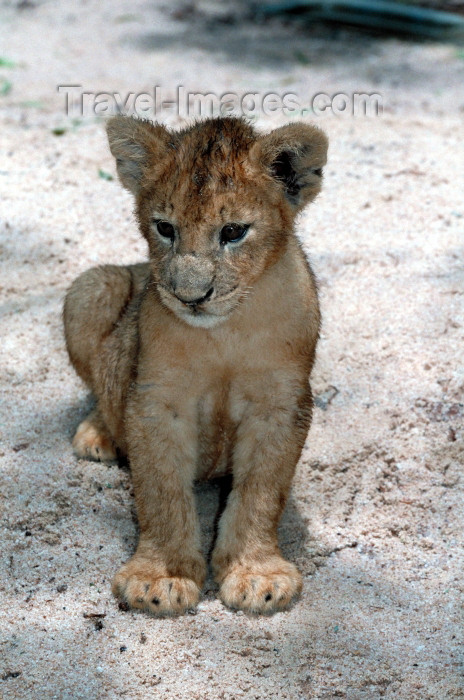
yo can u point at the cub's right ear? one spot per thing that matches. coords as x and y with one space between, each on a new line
136 145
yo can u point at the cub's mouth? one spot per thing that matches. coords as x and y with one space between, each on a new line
204 312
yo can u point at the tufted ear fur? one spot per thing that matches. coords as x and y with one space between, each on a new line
294 155
135 144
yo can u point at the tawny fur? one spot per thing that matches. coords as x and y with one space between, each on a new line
200 358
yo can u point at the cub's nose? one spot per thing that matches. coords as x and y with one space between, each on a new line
186 299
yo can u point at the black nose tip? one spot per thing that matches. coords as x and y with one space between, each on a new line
195 302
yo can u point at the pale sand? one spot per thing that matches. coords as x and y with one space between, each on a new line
376 517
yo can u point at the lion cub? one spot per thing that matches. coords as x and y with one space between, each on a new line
199 359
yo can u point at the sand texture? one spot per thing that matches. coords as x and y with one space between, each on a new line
375 520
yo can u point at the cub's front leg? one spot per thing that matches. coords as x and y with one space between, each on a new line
166 573
247 562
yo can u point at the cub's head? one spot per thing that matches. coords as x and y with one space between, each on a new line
216 203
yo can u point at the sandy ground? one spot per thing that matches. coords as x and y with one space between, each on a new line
375 521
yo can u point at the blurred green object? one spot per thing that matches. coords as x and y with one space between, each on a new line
383 15
5 87
6 63
104 175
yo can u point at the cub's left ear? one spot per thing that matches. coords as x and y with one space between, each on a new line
294 155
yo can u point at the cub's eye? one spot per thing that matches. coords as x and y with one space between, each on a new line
232 233
165 229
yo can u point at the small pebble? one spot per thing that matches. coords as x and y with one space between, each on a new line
11 674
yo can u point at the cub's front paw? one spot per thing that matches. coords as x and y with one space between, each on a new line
261 588
143 586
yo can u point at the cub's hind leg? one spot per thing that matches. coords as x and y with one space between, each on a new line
98 318
94 304
93 440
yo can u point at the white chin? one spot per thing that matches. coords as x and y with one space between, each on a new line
202 320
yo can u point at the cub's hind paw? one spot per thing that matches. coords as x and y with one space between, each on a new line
143 588
92 441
